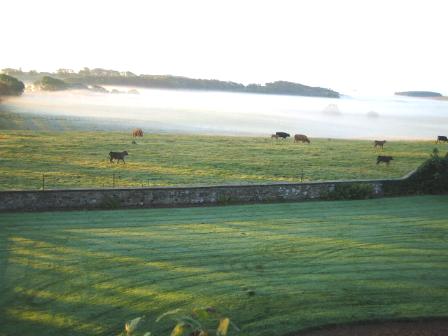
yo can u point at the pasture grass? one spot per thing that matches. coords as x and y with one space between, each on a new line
273 269
79 159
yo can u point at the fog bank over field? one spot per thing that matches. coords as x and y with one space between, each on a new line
242 114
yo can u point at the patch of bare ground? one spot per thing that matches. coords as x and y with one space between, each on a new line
426 327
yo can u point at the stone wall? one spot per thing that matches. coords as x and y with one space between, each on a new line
71 199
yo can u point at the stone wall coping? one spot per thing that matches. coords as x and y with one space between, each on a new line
217 186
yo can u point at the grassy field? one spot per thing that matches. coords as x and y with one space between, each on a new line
79 159
273 268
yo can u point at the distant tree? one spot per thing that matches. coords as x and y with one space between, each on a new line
12 72
10 86
84 72
104 72
65 72
128 74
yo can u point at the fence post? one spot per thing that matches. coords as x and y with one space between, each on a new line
113 180
301 176
43 181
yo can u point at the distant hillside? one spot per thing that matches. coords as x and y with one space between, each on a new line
424 94
48 83
97 76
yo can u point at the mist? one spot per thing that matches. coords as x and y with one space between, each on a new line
224 113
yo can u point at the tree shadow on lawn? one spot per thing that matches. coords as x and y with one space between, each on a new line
65 292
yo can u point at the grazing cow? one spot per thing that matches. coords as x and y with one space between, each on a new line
117 156
274 136
385 159
442 138
282 135
378 143
137 132
301 138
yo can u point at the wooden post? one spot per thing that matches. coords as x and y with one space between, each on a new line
43 181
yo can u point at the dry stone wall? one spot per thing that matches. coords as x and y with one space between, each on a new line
173 196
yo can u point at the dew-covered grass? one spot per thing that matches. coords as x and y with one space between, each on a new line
79 159
273 268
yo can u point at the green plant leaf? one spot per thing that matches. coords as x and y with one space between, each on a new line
234 326
204 313
132 325
168 313
187 320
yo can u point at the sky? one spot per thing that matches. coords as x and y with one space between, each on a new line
347 45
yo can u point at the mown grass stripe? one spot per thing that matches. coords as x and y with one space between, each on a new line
308 264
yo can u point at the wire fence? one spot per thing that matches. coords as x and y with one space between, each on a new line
56 181
53 181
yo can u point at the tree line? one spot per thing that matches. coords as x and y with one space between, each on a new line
99 76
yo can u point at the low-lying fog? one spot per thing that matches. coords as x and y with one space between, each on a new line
244 114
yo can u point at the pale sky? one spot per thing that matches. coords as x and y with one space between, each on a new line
369 46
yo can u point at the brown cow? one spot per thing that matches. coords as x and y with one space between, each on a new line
137 132
378 143
301 138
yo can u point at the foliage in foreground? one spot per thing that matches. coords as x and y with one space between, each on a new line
430 178
200 322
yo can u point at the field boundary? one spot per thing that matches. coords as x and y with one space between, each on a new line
158 197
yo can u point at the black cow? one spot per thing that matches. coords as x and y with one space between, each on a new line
282 135
442 138
383 158
117 156
378 143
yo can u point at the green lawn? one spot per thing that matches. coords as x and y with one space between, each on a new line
307 264
79 159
